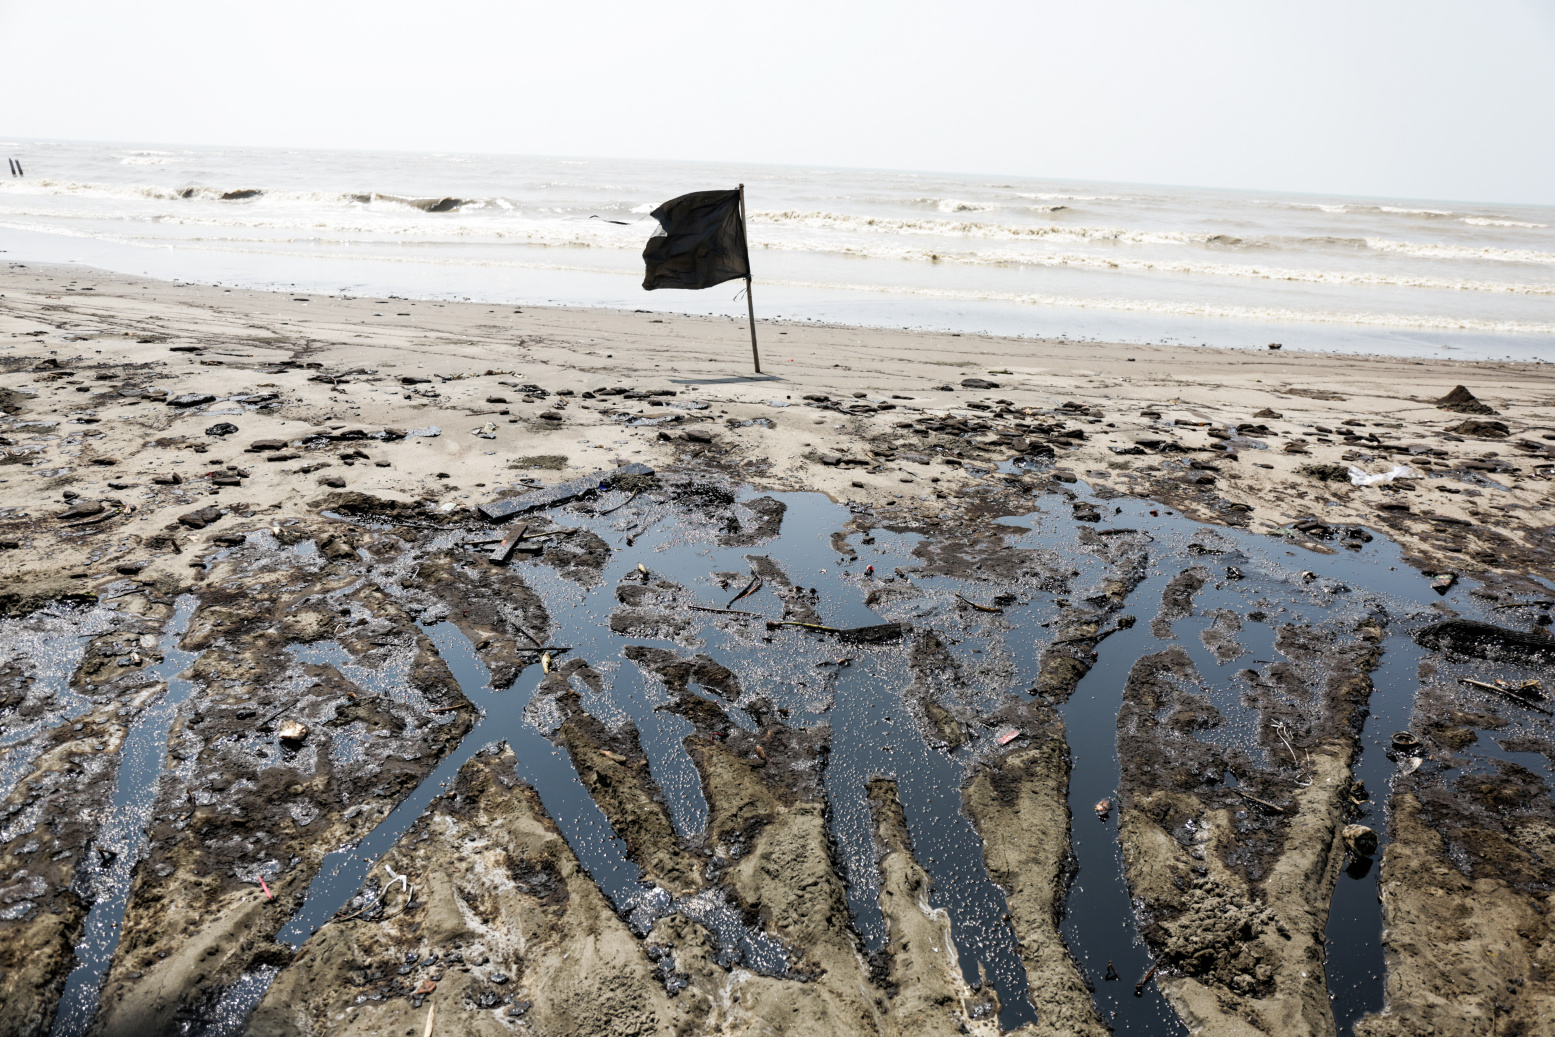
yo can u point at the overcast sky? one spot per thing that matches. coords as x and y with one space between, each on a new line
1422 99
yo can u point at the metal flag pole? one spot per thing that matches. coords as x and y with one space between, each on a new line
749 304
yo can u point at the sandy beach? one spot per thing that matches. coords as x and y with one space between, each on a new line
844 728
83 345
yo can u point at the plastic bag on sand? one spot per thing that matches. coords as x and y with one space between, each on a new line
1358 476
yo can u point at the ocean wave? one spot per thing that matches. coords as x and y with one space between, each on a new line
957 205
200 192
1044 196
1485 221
1426 251
1092 261
966 228
1251 313
1412 212
564 233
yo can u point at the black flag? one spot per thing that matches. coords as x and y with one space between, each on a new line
700 242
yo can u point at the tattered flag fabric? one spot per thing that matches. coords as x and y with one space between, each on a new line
700 242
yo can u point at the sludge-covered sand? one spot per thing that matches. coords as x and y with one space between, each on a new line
368 567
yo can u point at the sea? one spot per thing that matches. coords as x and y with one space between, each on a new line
969 253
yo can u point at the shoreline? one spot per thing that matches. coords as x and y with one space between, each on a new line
1031 313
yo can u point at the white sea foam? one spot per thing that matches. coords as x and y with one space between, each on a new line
1483 221
1248 313
1048 196
1413 212
1429 251
956 205
1159 306
964 228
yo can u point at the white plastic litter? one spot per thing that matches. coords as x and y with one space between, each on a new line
1359 477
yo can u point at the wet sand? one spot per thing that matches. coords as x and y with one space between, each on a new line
114 455
313 362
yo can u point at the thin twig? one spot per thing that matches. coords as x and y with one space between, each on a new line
623 504
1509 695
980 608
750 588
1261 802
723 612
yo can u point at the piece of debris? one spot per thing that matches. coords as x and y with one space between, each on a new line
1360 840
537 498
1482 428
1006 734
879 633
750 588
1359 476
201 518
223 428
293 732
1464 402
1405 741
981 608
81 507
1261 802
1103 808
1486 641
505 547
1524 693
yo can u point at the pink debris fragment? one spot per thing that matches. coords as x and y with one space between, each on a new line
268 895
1006 735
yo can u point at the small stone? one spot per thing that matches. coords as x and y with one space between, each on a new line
191 399
292 731
334 482
223 428
82 508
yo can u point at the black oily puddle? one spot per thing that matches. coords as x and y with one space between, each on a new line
121 840
873 734
1100 922
52 643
